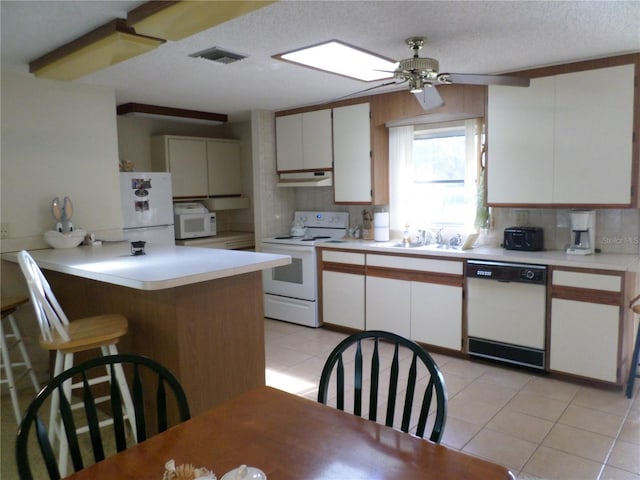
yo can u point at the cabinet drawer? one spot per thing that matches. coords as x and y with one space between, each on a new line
343 257
595 281
419 264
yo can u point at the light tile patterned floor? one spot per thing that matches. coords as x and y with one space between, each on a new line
537 426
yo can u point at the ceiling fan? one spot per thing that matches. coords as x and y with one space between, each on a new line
422 75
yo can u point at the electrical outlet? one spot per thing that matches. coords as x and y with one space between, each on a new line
4 230
522 217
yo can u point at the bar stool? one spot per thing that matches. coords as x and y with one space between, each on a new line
9 306
66 338
633 371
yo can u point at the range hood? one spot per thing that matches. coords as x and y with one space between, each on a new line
306 179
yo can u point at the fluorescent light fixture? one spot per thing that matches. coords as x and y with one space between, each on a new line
107 45
176 20
341 59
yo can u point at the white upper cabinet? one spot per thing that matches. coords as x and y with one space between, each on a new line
303 141
594 132
520 143
352 154
200 167
224 167
565 140
186 159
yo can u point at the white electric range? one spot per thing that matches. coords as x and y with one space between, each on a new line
291 291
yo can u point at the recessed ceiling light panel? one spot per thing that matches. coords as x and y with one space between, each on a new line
341 59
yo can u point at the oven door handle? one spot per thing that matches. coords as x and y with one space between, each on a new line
285 249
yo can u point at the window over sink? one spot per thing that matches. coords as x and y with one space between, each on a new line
433 174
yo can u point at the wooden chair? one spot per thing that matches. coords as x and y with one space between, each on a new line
371 350
66 338
145 371
9 306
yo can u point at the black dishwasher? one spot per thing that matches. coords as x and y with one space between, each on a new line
506 312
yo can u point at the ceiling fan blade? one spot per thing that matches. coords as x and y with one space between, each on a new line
429 98
473 79
386 84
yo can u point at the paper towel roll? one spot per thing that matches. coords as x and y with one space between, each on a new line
381 226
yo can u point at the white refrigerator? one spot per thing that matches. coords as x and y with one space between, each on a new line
147 207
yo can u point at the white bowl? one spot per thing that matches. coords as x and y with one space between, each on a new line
64 240
245 473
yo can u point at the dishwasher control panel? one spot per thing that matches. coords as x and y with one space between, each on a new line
507 272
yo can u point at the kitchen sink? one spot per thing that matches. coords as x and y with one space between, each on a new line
417 245
442 247
399 245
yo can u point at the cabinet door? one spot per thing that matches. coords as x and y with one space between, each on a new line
289 142
388 305
584 339
343 299
594 136
188 166
317 150
520 143
436 314
224 167
352 154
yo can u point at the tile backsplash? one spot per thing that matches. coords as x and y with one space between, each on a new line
617 230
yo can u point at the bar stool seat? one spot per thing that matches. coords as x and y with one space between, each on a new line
87 333
65 338
9 306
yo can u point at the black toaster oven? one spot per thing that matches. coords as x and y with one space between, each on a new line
529 239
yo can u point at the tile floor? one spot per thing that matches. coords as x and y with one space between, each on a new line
539 427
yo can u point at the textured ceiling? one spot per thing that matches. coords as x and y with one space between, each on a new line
465 36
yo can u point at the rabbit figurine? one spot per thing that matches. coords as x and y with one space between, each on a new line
62 214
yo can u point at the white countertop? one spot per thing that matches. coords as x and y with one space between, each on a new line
604 261
161 267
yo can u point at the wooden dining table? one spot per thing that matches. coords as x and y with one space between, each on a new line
291 438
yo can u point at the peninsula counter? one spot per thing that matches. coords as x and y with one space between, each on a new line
198 311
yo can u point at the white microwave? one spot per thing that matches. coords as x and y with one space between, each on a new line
194 225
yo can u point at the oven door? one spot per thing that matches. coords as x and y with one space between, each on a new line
296 280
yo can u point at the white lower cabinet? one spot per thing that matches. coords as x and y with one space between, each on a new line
587 313
419 298
436 314
584 339
343 299
343 290
389 305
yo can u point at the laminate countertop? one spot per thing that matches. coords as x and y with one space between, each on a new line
559 258
161 267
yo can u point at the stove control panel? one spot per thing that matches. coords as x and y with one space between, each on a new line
322 219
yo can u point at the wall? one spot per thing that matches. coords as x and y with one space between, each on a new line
58 139
274 206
